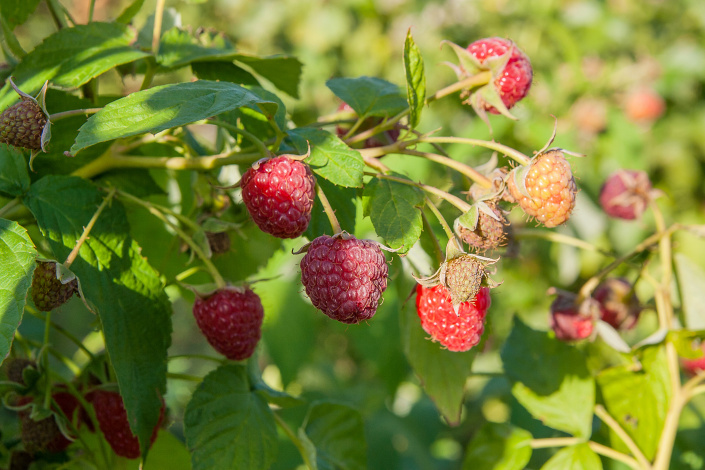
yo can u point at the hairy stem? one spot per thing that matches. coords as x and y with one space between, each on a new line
441 219
330 212
87 230
460 167
73 112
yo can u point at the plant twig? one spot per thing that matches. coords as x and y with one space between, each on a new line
87 230
606 418
460 167
73 112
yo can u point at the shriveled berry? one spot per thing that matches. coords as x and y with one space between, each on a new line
571 320
21 125
112 420
48 292
344 277
219 242
457 332
279 194
231 321
619 305
550 187
490 233
626 194
514 80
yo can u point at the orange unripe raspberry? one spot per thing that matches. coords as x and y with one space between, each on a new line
550 189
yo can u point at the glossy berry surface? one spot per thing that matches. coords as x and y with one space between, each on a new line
438 318
48 292
279 195
626 194
551 189
112 419
21 125
231 321
344 277
514 80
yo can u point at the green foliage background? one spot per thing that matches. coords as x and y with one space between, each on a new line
583 52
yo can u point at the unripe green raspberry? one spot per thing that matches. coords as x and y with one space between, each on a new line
48 292
21 125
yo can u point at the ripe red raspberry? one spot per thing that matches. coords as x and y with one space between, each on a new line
21 125
571 320
644 105
626 194
48 292
550 188
457 332
278 194
112 419
344 277
619 305
514 80
231 321
378 140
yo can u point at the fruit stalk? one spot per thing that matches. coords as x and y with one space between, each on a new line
503 149
330 212
606 418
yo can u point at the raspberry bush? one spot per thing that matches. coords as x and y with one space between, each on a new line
216 259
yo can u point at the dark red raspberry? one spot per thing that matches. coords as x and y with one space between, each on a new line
457 332
279 195
44 435
48 292
378 140
344 277
231 321
21 125
571 320
626 194
112 419
619 305
514 81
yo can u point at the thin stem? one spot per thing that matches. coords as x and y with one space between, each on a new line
91 9
149 73
354 128
460 167
555 442
249 136
215 274
558 238
196 356
666 264
47 330
294 439
670 426
456 201
73 112
63 331
108 161
614 455
602 413
375 164
697 391
437 250
157 32
330 213
86 231
441 219
182 218
503 149
187 273
592 283
57 13
186 377
9 206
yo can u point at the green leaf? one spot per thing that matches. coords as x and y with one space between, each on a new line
117 283
442 373
177 47
394 210
16 12
132 180
691 282
369 96
577 457
330 157
498 447
11 41
639 400
550 379
343 201
283 71
255 120
228 426
17 255
223 71
338 433
130 12
167 452
164 107
73 56
14 178
415 80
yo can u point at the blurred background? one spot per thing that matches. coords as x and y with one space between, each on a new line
624 79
